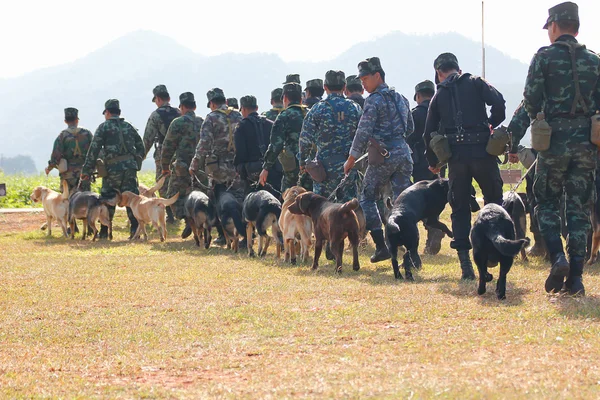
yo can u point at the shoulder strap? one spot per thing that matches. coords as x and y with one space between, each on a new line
391 97
455 101
227 112
337 114
302 108
573 47
259 127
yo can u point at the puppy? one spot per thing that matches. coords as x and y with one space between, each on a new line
90 207
56 205
493 239
294 227
332 222
200 215
151 192
147 210
229 213
423 201
514 206
262 210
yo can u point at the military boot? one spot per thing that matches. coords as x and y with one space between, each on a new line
133 223
103 234
539 247
382 252
574 283
465 265
434 241
560 265
170 216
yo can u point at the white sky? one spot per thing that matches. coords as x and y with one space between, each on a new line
42 33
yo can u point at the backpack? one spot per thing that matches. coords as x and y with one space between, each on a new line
167 115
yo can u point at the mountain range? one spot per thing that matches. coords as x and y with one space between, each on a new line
129 67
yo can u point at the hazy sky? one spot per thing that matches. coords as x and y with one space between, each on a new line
42 33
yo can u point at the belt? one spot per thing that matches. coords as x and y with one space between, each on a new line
117 159
468 138
568 116
561 124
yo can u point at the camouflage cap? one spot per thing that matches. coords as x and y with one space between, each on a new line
314 83
160 90
276 94
232 102
214 94
566 11
71 112
248 101
353 81
292 78
187 96
425 85
369 66
445 58
292 88
335 78
111 104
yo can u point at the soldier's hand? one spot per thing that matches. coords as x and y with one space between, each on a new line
302 169
262 179
513 158
348 165
435 170
84 178
166 172
193 166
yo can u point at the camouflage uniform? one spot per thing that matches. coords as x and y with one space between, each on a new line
233 103
156 129
353 88
123 149
285 135
272 114
330 126
72 145
179 144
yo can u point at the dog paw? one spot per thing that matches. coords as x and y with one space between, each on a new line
338 269
356 267
293 261
501 296
398 276
481 291
410 278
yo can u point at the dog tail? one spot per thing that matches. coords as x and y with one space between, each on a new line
157 186
65 190
349 206
270 209
507 247
168 202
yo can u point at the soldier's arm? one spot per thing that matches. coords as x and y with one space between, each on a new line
495 100
365 129
56 155
206 139
150 133
169 144
410 123
533 94
432 124
138 143
277 141
307 137
518 126
92 155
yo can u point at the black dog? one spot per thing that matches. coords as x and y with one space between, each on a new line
262 210
90 207
200 216
423 201
493 239
229 213
515 207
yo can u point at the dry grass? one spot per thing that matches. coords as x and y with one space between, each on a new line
121 320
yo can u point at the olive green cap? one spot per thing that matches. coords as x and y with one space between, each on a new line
292 78
445 58
160 90
425 85
248 101
214 94
187 96
276 94
369 66
71 112
335 78
566 11
111 103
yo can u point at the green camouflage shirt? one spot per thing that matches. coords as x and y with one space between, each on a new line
72 144
155 128
181 140
272 113
285 133
518 126
216 134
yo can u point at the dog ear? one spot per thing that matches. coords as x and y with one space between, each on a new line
304 202
388 203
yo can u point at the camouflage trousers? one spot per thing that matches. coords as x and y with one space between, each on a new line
306 181
289 179
181 185
164 190
228 176
72 178
335 174
396 169
121 181
569 165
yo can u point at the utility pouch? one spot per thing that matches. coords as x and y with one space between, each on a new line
212 164
376 153
62 166
441 147
181 168
541 133
595 133
288 161
101 168
499 139
316 170
526 157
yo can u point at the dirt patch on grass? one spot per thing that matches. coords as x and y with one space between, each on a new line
22 222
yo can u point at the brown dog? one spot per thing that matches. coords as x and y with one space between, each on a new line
294 227
151 192
56 205
147 210
333 223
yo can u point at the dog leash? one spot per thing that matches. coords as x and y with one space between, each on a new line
514 189
195 178
342 183
266 185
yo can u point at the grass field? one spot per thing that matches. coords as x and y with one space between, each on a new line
168 320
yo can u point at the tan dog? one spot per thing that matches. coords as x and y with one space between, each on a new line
147 210
56 205
151 192
294 226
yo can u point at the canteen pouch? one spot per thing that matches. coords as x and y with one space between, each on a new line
541 133
101 168
316 170
496 145
181 168
287 160
62 166
375 153
526 157
212 164
441 147
595 133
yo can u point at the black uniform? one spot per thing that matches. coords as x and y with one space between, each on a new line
421 170
358 98
468 137
252 137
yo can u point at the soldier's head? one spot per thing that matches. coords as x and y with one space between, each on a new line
314 88
354 85
216 98
160 95
187 102
111 109
335 81
424 91
371 74
249 105
276 97
563 19
71 116
233 103
292 93
445 65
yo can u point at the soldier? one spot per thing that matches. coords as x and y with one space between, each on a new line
385 121
285 137
71 145
331 125
354 90
233 103
276 104
314 92
123 152
180 144
563 83
156 129
458 110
